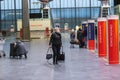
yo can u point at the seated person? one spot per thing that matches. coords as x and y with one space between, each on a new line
20 49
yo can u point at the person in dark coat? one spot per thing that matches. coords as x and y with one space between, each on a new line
72 38
20 49
56 43
85 36
96 32
80 37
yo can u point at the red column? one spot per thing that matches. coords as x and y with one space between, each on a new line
102 42
113 42
47 31
21 33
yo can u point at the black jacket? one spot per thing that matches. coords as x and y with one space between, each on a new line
79 34
20 48
55 39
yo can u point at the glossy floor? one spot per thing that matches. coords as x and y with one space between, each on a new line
80 64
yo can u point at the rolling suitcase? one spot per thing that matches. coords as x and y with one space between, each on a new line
12 54
61 56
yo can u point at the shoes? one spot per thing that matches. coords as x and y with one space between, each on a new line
4 55
55 63
25 57
71 46
20 57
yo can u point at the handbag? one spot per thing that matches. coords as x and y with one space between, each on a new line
49 55
72 42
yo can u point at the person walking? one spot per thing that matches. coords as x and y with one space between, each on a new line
85 37
80 38
72 38
56 43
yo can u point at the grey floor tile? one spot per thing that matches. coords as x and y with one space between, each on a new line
80 64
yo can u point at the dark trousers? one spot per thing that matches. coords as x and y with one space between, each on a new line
81 44
56 52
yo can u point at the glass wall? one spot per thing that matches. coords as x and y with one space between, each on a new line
72 12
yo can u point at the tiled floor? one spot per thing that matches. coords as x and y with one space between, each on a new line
80 64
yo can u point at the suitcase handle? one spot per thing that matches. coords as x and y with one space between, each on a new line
62 48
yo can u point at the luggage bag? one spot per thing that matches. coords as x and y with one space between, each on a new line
12 54
74 42
61 56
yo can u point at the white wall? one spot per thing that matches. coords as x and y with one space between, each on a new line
35 24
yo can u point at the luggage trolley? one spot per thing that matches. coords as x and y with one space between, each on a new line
2 42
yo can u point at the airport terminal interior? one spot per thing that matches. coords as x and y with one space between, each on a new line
32 22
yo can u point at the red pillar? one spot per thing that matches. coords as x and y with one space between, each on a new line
21 33
47 31
102 40
113 40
